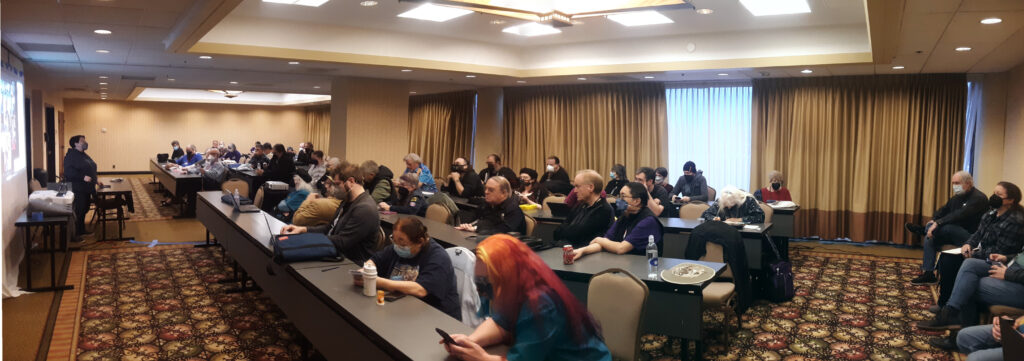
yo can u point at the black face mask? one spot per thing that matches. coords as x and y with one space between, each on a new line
490 166
403 193
688 177
483 287
995 201
776 186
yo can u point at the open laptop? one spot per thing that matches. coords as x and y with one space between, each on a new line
559 209
244 208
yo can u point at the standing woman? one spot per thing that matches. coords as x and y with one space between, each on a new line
80 170
529 307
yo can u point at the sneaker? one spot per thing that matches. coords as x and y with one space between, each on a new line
943 343
926 278
934 309
947 319
915 228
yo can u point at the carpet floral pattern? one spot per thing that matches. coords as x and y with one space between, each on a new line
167 304
147 202
846 308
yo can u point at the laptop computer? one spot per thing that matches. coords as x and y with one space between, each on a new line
244 208
559 209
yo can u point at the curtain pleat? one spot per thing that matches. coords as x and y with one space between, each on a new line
862 155
441 128
318 128
586 126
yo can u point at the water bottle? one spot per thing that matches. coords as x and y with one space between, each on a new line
652 258
237 198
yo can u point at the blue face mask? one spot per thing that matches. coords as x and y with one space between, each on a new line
403 252
611 175
175 147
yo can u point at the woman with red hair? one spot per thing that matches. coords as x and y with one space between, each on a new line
528 307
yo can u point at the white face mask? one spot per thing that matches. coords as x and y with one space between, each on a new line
957 189
551 168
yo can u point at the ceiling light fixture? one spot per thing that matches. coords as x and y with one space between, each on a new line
648 77
103 77
723 74
233 82
776 7
368 3
990 21
205 57
434 13
230 94
471 76
103 83
963 48
807 71
497 22
897 67
705 11
103 88
412 92
581 78
313 3
406 70
521 81
640 18
316 87
557 13
293 63
531 29
103 51
170 79
102 31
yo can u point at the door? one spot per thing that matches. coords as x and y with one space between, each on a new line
49 137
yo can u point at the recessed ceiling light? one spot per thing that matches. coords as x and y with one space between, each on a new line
531 29
521 81
640 18
205 57
103 51
103 77
412 92
103 88
102 31
990 21
648 77
497 22
897 67
102 83
471 76
807 71
433 12
316 87
723 74
233 82
293 63
704 11
313 3
406 70
776 7
170 79
581 78
368 3
963 48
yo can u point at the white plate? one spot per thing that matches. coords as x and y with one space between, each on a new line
688 274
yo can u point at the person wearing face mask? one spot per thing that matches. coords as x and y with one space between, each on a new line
774 192
417 266
661 179
500 212
213 170
529 190
258 159
493 165
555 178
658 195
631 232
410 200
617 178
528 308
80 171
232 153
281 167
1000 236
176 151
305 154
734 205
462 181
952 224
353 229
691 187
591 215
190 157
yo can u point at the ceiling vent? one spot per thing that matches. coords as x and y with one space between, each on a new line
50 48
137 78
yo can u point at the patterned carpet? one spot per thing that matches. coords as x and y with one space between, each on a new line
147 202
166 304
846 308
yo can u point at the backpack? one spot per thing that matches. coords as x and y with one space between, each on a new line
780 278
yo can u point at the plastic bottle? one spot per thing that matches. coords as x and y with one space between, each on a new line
369 280
652 258
237 198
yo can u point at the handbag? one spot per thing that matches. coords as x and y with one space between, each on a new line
780 277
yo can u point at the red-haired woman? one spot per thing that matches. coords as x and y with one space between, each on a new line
529 307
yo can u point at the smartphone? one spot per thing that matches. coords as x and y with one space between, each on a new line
447 338
393 296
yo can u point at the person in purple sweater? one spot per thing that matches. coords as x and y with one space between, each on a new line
630 232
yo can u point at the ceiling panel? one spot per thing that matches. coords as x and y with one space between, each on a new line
1006 56
164 5
931 6
992 5
966 29
924 30
100 15
851 69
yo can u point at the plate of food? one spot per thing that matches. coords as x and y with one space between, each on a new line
688 274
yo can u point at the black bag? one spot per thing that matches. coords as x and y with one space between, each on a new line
303 247
780 278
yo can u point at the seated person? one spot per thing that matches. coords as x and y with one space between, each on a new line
774 192
190 157
316 211
553 171
510 175
493 165
257 145
462 181
631 232
691 187
500 212
981 283
617 178
734 205
294 200
659 198
176 151
213 170
378 181
983 343
529 308
354 229
661 179
410 200
414 164
416 265
317 167
591 215
259 159
233 153
281 168
529 189
952 224
303 157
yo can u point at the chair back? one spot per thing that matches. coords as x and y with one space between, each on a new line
712 194
693 210
530 225
232 184
768 212
439 213
552 199
257 201
464 262
715 253
382 239
618 299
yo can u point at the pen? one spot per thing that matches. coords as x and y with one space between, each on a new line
328 269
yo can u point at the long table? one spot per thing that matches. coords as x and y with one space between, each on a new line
677 236
322 302
182 186
447 235
249 176
783 219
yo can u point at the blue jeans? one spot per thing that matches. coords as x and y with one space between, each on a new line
944 234
974 286
979 345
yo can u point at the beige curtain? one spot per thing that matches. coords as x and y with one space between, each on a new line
586 126
441 128
862 155
318 128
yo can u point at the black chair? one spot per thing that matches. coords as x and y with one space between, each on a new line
107 207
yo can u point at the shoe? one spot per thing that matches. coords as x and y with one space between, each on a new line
915 228
943 343
934 309
947 319
926 278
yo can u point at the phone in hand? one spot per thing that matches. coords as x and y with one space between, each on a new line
447 338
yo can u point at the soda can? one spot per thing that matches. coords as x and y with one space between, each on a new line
567 254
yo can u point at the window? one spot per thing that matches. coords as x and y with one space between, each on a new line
710 125
973 115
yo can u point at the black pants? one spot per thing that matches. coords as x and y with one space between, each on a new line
948 266
81 206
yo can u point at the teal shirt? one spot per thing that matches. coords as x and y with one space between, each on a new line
547 336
